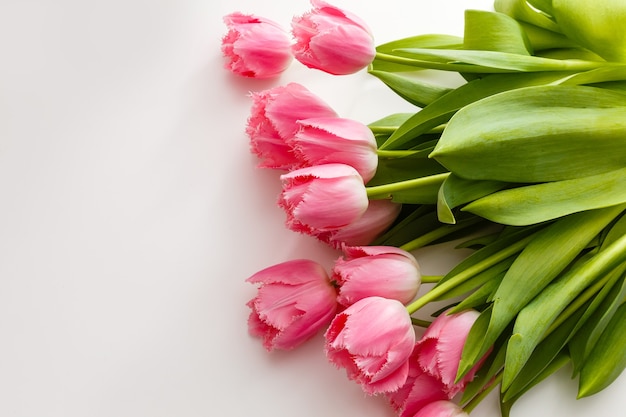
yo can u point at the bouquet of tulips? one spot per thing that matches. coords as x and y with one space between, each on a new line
524 162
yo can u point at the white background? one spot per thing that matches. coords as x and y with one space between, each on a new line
131 213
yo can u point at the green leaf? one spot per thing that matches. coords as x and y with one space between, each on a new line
420 41
456 191
415 165
549 252
513 136
598 26
489 31
442 109
540 202
537 316
605 304
546 352
607 359
472 61
521 10
410 88
557 363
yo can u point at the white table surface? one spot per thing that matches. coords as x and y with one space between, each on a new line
131 213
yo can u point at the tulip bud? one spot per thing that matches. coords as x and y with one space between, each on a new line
255 47
322 198
384 271
332 40
295 300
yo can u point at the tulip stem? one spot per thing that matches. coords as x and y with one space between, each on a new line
430 279
429 185
394 153
466 274
438 233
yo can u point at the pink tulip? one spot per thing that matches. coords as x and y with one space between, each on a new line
322 198
332 40
336 140
441 409
255 47
439 350
419 390
383 271
380 214
372 339
295 300
273 121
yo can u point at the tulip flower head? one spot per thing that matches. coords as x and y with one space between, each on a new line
255 47
336 140
372 339
380 214
383 271
434 363
332 40
439 350
441 409
273 121
294 301
419 390
322 198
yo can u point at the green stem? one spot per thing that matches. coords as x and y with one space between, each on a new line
385 190
394 153
438 233
431 279
466 274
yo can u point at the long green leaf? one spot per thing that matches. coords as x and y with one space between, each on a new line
550 251
607 360
442 109
493 61
456 191
534 319
417 92
489 31
536 134
537 203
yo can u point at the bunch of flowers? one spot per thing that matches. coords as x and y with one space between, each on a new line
525 163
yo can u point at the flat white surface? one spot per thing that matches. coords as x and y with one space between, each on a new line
131 212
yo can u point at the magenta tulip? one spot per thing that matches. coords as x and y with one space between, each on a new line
336 140
372 339
255 47
383 271
273 121
332 40
322 198
294 301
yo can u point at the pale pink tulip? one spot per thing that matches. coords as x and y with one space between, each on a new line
273 121
336 140
332 40
380 214
441 409
322 198
439 350
372 339
383 271
255 47
419 390
294 301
